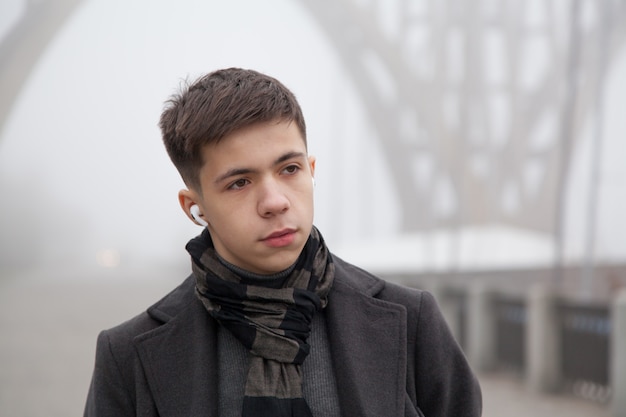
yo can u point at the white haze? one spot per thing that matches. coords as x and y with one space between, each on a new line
84 177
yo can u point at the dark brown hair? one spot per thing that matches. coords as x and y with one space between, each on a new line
217 105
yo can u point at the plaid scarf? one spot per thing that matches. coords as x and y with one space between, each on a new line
272 323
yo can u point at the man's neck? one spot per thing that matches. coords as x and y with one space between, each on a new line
258 279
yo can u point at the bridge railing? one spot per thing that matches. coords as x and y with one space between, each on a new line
511 322
555 342
585 332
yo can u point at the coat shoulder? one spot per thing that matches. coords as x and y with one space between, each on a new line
159 313
372 285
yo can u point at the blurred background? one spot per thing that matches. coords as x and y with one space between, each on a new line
460 145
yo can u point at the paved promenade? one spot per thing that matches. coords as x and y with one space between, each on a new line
48 329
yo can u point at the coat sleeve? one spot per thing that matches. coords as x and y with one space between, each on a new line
109 393
444 382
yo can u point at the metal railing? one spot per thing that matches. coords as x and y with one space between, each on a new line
511 321
552 336
585 331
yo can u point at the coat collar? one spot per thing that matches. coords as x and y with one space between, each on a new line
367 337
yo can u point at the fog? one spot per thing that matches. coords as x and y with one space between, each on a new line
86 182
84 174
89 210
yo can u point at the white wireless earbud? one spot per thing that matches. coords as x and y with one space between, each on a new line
313 179
195 213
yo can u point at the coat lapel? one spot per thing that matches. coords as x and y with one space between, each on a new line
368 344
179 359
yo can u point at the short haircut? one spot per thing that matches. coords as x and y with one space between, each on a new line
216 105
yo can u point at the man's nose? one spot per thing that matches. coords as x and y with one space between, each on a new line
273 199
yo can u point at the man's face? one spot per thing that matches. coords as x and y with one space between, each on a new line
257 196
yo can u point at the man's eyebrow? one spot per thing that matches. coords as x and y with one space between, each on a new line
233 173
243 171
288 156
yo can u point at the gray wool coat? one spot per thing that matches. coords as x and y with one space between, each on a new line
393 355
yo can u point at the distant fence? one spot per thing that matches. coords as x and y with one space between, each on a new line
511 321
583 343
557 342
585 332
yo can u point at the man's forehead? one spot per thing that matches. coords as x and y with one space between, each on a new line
259 144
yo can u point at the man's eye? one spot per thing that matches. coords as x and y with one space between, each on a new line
238 184
291 169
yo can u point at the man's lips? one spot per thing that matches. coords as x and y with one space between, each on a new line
280 238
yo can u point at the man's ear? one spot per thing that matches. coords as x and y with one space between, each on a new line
312 161
186 199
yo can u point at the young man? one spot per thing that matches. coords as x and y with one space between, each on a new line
270 323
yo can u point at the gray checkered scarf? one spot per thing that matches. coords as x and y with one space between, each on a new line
272 323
